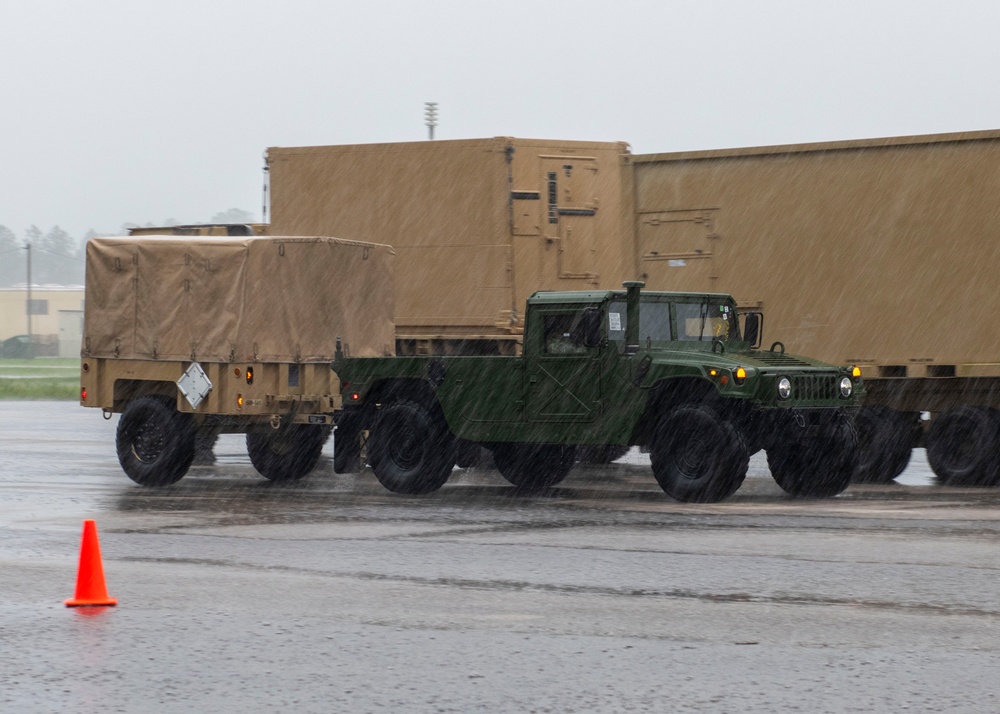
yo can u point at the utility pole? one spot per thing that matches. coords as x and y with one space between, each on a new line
431 114
27 305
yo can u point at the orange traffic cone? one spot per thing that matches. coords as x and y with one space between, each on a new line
90 588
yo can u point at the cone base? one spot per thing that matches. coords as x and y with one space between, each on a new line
110 602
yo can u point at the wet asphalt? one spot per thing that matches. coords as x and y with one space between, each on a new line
331 594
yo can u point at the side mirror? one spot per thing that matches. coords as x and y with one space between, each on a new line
591 326
752 332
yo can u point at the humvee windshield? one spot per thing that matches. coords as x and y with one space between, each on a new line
695 321
706 321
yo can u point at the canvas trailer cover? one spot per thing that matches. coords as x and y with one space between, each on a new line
247 299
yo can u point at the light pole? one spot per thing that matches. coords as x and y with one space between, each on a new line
27 305
431 114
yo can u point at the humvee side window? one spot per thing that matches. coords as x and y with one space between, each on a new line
706 321
563 334
654 322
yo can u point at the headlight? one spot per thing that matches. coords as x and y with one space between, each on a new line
784 388
846 387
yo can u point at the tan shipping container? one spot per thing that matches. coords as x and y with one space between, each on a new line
478 225
879 252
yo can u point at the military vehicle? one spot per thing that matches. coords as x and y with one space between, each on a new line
187 338
669 370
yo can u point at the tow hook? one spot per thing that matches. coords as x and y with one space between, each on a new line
275 421
799 419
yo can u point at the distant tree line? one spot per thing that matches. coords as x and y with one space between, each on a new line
57 258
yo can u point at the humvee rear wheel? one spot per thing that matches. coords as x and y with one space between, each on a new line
885 442
962 447
534 467
155 442
285 454
697 456
411 449
817 466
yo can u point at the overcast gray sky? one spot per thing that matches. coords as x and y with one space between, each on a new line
125 110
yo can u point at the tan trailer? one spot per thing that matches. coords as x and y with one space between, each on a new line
191 337
878 252
479 225
202 229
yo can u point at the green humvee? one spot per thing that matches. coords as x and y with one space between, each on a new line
668 371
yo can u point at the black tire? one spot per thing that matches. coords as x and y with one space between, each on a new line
602 454
697 456
885 442
285 454
962 447
470 454
534 467
411 449
819 466
347 447
155 442
204 447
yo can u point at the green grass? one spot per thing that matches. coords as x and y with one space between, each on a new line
42 378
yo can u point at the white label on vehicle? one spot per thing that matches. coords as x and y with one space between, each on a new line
615 321
194 385
676 263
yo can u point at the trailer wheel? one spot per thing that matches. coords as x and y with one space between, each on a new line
885 442
816 466
697 456
534 467
285 454
155 442
962 447
411 449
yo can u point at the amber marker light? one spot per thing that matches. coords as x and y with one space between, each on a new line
239 401
855 372
249 372
741 375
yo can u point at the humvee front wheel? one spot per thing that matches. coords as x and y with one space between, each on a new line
819 466
285 454
697 456
411 449
534 467
155 442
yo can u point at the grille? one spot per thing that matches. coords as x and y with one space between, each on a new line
814 388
